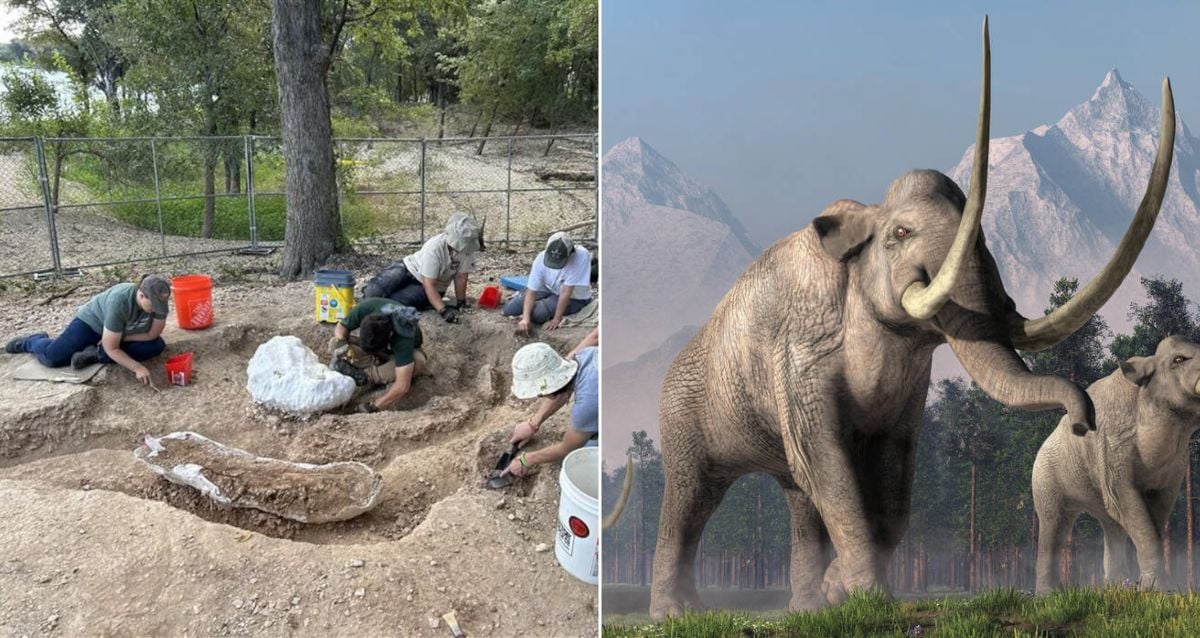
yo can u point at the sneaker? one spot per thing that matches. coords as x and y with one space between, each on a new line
85 357
17 345
341 366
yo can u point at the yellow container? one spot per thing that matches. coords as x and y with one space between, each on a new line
334 291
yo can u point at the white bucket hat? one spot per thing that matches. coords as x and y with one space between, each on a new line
538 370
462 233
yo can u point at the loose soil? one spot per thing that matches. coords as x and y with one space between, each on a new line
96 544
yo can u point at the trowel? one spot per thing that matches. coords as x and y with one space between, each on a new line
497 482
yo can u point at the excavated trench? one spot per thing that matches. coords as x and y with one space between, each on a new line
444 437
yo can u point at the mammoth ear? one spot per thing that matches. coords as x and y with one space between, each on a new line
844 228
1138 369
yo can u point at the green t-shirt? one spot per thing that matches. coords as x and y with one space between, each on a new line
117 310
402 347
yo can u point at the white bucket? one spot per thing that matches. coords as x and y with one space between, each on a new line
576 543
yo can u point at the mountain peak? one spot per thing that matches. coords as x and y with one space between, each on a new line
1115 103
633 169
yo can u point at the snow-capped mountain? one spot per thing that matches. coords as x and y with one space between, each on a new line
671 250
1061 196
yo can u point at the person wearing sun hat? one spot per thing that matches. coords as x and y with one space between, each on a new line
121 325
559 284
540 372
422 278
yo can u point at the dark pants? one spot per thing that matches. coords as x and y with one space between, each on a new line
56 352
399 285
543 308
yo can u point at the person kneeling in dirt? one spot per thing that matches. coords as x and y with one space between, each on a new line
122 324
388 349
559 284
539 371
420 279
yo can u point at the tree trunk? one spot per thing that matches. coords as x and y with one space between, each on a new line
487 129
313 230
971 569
1191 566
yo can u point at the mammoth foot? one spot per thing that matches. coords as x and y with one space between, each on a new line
832 587
673 604
810 601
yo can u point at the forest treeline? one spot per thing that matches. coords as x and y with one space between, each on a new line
206 67
972 525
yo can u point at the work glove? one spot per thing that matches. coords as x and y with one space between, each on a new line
449 314
463 304
335 342
368 408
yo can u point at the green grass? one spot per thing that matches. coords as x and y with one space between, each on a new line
1108 613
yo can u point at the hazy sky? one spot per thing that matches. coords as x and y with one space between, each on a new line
783 107
7 17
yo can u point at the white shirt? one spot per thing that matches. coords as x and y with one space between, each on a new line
577 273
433 260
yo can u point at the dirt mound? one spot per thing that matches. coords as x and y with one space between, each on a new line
102 545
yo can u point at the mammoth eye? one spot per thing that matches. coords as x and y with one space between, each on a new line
901 232
1180 359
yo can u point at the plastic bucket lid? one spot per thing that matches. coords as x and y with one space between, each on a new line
330 277
576 542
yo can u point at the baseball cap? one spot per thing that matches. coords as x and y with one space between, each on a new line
158 290
558 249
538 370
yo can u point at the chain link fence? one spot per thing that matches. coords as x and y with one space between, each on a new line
68 204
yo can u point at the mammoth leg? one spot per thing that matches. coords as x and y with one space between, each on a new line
1116 560
689 499
1054 523
810 550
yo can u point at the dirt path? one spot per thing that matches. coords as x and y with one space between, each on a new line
97 544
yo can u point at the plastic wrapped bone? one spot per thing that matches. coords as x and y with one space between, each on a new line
285 375
235 478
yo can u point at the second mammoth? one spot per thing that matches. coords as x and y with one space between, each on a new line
1128 475
815 368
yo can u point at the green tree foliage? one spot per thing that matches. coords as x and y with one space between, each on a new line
1166 312
81 32
1079 357
532 59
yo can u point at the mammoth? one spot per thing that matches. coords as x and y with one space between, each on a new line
815 367
1128 475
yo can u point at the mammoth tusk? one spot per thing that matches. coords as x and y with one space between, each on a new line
625 489
923 302
1044 332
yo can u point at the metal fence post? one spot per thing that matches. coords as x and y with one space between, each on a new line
422 169
162 233
508 199
44 180
248 145
596 184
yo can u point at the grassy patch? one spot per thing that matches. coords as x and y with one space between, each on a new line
1109 612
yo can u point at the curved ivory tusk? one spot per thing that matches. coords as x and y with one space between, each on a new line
1044 332
625 489
923 302
1197 387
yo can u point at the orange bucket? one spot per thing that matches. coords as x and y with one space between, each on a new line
193 301
490 297
179 369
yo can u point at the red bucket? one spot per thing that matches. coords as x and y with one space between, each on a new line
490 297
179 369
193 301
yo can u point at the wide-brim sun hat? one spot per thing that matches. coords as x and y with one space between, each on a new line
462 233
538 370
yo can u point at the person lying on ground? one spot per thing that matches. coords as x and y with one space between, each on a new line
387 349
422 278
559 285
539 371
122 324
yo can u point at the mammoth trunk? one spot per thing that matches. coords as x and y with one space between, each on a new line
1004 377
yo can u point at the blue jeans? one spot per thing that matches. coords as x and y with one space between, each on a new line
399 285
56 352
543 308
